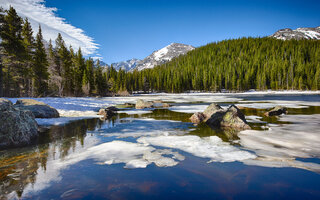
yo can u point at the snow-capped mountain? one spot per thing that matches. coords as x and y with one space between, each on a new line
126 65
163 55
101 63
298 34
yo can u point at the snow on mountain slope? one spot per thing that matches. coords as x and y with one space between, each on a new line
163 55
126 65
298 34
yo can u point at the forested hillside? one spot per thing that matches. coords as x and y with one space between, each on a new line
30 68
238 65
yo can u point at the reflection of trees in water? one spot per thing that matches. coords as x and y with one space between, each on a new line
18 167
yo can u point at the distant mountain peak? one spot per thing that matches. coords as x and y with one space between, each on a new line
158 57
126 65
164 55
298 34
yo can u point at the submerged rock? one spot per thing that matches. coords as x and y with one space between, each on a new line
39 109
17 126
141 104
108 112
278 110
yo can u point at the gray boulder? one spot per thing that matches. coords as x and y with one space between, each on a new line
141 104
276 111
199 117
109 112
211 109
234 118
216 117
39 109
17 127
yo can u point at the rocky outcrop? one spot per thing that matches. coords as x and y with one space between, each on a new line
141 104
211 109
109 112
234 118
39 109
17 127
276 111
298 34
199 117
217 117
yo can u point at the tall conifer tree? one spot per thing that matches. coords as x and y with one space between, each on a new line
40 69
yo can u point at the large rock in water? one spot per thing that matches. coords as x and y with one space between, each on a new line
234 118
108 112
217 117
39 109
141 104
278 110
199 117
17 126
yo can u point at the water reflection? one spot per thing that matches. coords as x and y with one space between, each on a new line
69 155
19 168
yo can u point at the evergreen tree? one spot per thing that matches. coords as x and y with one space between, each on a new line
40 69
79 72
28 43
65 66
14 52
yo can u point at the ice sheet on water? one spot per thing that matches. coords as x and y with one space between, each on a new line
254 119
188 108
272 104
135 112
208 147
281 145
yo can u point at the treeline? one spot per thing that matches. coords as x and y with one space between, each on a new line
237 65
31 67
28 67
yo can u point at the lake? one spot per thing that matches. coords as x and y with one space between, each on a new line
160 154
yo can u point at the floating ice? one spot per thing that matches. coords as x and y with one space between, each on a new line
281 145
135 112
208 147
254 119
188 108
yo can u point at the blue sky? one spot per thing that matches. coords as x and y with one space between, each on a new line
126 29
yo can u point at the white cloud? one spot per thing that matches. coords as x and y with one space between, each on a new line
51 24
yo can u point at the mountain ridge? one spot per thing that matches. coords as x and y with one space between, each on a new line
157 57
298 34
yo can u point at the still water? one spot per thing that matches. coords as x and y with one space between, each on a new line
159 154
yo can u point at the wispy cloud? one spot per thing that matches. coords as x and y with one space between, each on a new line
51 24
